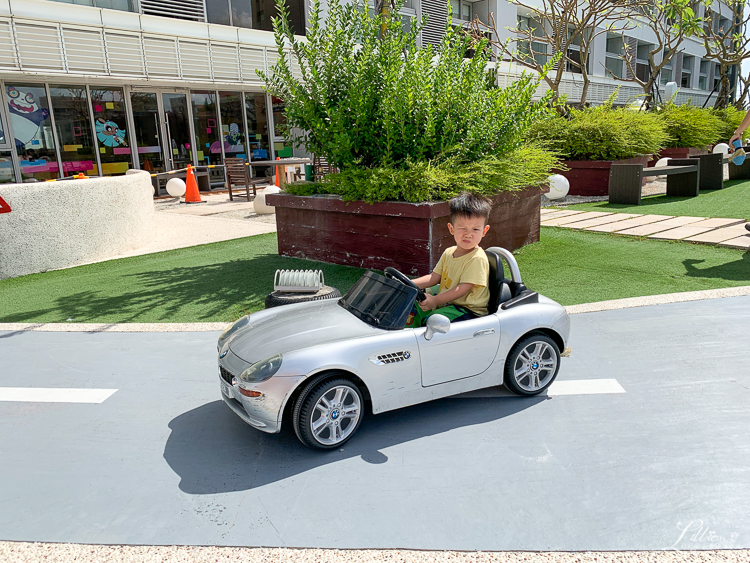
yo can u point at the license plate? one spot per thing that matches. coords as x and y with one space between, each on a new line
227 390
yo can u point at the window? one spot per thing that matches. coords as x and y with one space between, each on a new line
703 75
232 125
28 107
110 125
539 48
123 5
147 131
70 105
254 14
574 54
666 71
615 49
205 123
7 175
461 10
686 79
642 66
257 130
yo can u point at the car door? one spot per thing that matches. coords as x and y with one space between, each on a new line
467 350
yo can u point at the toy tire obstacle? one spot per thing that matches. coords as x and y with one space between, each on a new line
278 298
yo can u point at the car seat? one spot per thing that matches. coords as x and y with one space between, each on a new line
502 289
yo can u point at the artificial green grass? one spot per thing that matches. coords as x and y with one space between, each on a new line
223 281
733 202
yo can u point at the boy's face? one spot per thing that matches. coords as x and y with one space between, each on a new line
468 231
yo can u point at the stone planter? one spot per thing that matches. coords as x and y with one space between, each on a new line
677 152
408 236
591 177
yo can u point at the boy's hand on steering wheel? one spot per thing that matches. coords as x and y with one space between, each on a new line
429 302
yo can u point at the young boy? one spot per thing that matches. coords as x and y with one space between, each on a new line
462 270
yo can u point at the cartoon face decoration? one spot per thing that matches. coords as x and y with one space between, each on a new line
21 101
109 134
234 137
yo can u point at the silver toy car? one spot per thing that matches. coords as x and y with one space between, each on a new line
320 365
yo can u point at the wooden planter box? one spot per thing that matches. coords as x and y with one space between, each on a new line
408 236
591 177
677 152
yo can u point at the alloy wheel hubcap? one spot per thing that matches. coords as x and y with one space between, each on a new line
535 366
335 415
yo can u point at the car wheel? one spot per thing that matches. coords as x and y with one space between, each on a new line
327 414
532 365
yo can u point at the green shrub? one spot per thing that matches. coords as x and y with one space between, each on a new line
601 133
730 118
395 118
427 181
690 126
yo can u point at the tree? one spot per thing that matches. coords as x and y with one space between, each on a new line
567 28
672 21
727 43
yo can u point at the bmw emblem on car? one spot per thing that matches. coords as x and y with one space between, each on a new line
224 353
407 355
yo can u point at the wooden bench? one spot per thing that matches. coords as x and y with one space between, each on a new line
741 172
625 180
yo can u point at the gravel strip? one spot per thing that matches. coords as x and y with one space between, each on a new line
18 552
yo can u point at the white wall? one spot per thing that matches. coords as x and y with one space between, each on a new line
61 224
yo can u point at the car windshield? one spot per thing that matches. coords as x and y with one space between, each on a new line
379 301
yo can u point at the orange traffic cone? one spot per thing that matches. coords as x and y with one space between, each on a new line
192 195
278 184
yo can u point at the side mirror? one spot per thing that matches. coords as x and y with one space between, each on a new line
437 323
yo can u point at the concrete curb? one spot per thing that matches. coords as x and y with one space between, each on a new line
211 327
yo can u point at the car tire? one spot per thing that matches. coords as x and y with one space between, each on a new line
532 364
328 413
278 298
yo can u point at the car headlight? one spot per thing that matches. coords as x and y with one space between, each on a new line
261 371
242 323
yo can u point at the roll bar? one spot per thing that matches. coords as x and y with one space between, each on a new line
515 272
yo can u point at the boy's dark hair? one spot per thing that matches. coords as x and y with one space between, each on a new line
469 205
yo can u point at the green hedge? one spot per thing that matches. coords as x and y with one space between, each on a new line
691 126
402 121
601 133
730 118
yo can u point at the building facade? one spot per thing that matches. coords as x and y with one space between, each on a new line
100 86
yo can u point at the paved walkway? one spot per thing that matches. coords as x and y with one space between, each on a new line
721 232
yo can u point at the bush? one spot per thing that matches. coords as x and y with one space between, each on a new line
428 181
601 133
395 117
730 118
690 126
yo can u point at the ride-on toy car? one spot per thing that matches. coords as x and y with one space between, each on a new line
318 365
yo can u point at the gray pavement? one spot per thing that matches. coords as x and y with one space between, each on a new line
163 461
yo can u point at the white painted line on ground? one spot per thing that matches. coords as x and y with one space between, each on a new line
572 387
51 395
585 387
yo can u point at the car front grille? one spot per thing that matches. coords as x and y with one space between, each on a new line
225 375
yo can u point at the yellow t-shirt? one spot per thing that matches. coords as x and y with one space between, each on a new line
470 268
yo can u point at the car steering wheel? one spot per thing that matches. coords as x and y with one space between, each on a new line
394 274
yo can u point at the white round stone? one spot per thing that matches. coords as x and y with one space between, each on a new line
721 148
662 162
176 187
259 203
558 186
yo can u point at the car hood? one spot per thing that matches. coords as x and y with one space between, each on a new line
292 327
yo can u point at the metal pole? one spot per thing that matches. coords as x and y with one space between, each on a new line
94 139
54 132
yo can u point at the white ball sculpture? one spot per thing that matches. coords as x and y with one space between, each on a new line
558 186
176 187
722 149
259 203
662 162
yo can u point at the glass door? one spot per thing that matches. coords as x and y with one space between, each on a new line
178 126
148 134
